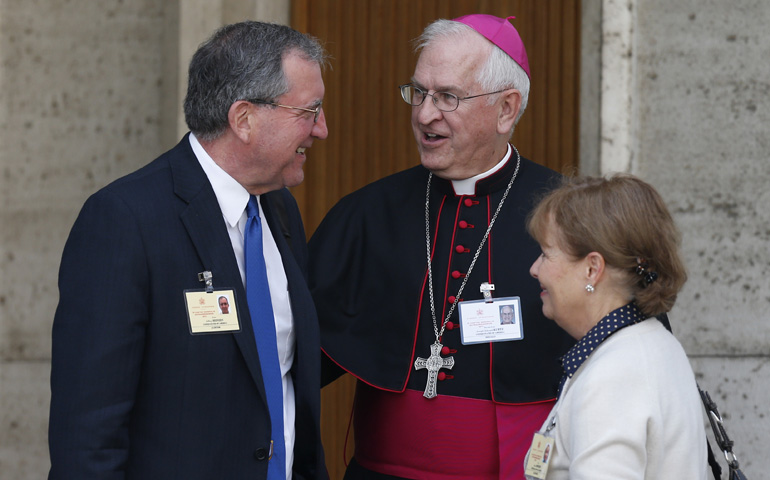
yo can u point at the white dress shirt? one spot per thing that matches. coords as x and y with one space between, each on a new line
233 198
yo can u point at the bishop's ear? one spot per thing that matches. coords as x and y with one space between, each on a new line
509 111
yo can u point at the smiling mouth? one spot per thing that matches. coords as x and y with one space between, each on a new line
432 137
301 150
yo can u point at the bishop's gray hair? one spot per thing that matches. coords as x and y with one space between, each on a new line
239 62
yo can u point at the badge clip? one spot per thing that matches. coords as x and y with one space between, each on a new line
486 288
209 279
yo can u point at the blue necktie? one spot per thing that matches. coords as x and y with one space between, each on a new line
263 322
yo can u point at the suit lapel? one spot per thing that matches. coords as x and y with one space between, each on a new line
299 296
205 225
280 231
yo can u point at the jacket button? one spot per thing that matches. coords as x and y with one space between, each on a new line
260 454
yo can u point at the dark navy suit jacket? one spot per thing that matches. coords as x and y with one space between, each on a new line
134 394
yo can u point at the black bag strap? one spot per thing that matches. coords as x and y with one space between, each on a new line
720 435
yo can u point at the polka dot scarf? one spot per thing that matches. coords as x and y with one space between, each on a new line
611 323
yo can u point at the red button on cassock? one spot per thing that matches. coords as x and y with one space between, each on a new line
468 202
450 325
456 274
451 299
462 224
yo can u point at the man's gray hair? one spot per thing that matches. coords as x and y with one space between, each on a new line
242 61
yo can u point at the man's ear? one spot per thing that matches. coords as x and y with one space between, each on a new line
509 111
240 117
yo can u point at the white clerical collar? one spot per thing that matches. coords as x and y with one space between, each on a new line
468 186
231 195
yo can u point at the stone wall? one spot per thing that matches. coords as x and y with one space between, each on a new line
698 120
80 89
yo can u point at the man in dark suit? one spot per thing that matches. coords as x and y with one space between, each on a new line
149 379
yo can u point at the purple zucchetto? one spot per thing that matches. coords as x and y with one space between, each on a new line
500 32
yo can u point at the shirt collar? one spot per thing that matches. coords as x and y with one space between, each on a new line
493 180
231 195
468 186
611 323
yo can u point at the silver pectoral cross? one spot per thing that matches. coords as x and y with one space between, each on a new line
434 363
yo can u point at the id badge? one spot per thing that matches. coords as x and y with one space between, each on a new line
539 457
213 311
483 321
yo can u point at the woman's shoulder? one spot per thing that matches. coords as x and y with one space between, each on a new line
645 346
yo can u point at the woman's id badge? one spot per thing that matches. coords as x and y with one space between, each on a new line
539 457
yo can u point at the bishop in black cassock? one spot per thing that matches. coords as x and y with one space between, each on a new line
370 281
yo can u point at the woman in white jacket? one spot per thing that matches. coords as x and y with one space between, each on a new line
628 405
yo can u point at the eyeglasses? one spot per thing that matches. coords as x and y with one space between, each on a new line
444 101
315 111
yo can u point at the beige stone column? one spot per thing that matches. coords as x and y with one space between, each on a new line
617 102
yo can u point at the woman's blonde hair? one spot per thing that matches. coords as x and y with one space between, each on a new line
626 221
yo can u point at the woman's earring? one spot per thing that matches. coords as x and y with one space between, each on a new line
590 288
